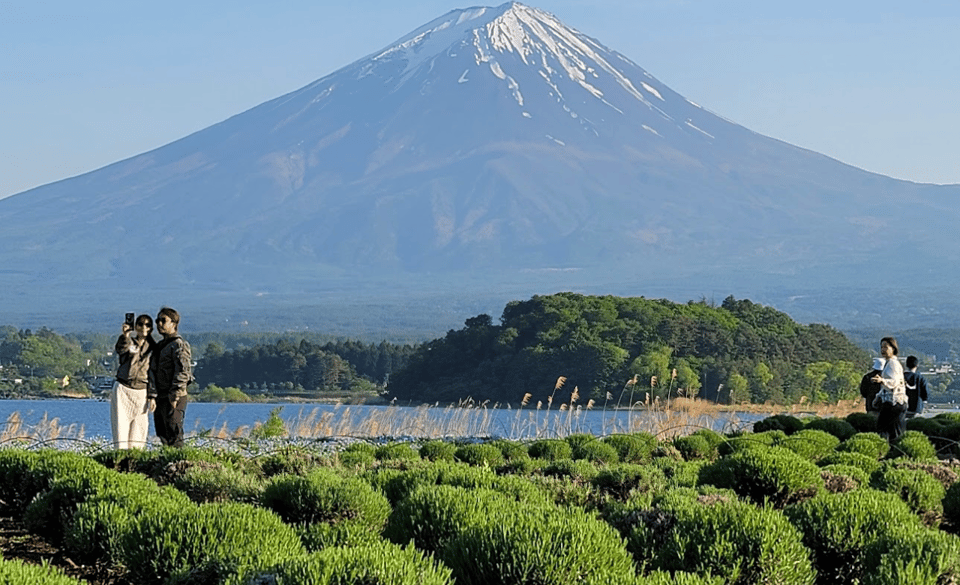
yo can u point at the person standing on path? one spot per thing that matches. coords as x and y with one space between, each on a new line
131 399
892 398
170 373
916 387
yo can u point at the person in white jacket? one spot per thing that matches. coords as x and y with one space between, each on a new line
892 398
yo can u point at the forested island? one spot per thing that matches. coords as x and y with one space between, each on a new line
600 347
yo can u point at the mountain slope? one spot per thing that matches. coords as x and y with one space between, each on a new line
491 142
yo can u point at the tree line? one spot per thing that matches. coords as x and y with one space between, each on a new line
285 366
737 352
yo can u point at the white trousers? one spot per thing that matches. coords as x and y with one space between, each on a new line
128 417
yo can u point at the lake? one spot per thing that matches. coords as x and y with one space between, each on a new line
90 418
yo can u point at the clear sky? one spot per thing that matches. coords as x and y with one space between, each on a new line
875 84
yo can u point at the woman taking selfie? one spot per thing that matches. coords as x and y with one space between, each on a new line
129 404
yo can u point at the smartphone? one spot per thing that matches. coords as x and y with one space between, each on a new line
129 318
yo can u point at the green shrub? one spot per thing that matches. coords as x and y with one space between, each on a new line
870 444
920 491
321 535
838 427
913 445
357 455
775 475
951 504
432 515
863 422
579 471
543 545
838 528
550 449
396 483
16 572
176 542
724 537
694 447
811 444
375 564
291 459
272 428
865 462
779 422
858 476
511 450
623 479
219 484
914 556
324 496
480 455
596 452
564 492
679 473
437 450
68 487
95 529
750 441
632 448
17 486
397 452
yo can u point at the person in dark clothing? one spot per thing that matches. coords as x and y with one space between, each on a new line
170 374
869 388
916 387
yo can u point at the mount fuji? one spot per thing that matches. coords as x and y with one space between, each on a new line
491 151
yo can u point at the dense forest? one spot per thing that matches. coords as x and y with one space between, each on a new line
303 368
734 353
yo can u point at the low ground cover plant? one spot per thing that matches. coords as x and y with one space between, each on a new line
626 508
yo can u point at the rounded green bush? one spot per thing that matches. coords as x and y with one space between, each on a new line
511 449
550 449
779 422
68 486
624 479
437 450
291 459
679 473
864 462
546 545
726 538
811 444
870 444
750 441
776 475
480 455
177 541
432 515
861 477
16 572
839 527
324 496
633 447
913 445
396 452
863 422
17 487
321 535
838 427
919 490
915 556
357 455
695 447
579 471
951 504
219 484
381 563
596 452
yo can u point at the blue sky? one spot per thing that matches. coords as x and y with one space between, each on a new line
85 84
